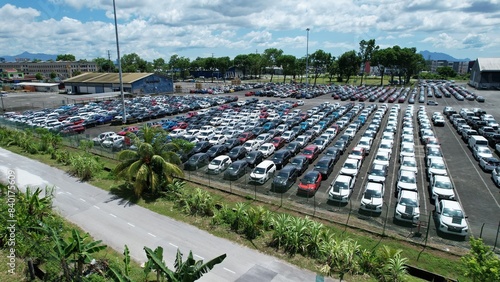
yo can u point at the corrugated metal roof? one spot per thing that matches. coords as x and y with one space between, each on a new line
489 64
42 84
92 77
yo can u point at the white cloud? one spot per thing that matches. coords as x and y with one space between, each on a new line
443 40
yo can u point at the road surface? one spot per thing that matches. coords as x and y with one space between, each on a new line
117 223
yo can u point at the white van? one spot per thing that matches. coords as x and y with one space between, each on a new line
477 140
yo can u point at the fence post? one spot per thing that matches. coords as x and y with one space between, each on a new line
386 217
496 237
481 233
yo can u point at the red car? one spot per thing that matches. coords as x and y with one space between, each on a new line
132 129
180 125
310 183
73 129
278 142
311 152
250 93
245 136
263 115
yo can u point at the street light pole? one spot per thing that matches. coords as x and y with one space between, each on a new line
307 59
124 118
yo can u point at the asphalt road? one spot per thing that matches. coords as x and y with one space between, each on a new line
117 223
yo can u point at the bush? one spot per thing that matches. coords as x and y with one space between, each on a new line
84 166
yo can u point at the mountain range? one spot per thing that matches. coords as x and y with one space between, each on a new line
30 56
435 56
45 57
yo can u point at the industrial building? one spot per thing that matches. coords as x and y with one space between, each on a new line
134 83
485 74
63 69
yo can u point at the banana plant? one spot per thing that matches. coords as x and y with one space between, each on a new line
117 274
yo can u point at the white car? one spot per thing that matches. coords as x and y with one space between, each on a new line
451 218
178 132
321 143
382 158
303 140
377 173
205 135
219 164
366 143
407 150
408 207
436 167
263 138
495 176
441 188
267 149
385 145
407 180
332 132
480 152
263 172
101 137
111 140
341 188
373 197
409 163
251 145
217 139
350 167
288 135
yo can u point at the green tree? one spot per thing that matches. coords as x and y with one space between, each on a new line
66 57
38 76
211 65
366 50
179 64
445 72
223 64
383 59
53 75
153 165
319 60
481 263
160 66
134 63
255 63
242 62
189 270
287 62
104 65
270 59
349 64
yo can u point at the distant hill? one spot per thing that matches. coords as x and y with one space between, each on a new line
30 56
434 56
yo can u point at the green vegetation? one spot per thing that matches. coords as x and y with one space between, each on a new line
309 243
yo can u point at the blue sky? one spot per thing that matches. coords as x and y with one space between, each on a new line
203 28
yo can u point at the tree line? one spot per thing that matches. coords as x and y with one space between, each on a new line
394 61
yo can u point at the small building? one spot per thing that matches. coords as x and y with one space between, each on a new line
134 83
38 86
485 74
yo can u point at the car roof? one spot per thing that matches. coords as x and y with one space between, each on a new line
374 185
265 163
406 172
442 178
379 166
311 147
408 194
451 204
343 178
221 157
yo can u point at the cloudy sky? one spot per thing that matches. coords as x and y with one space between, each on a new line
203 28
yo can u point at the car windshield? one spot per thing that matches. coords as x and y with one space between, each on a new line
409 163
408 149
350 165
385 146
296 162
453 213
377 172
215 162
381 158
308 152
357 153
322 165
340 186
250 156
438 165
282 175
483 150
309 179
443 185
259 170
372 193
408 179
408 202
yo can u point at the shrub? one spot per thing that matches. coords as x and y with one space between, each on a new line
84 166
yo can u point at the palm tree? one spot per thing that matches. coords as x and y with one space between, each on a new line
154 164
189 270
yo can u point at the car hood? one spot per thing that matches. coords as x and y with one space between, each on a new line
372 201
407 186
437 171
456 222
341 192
256 175
348 171
375 178
211 166
443 192
402 209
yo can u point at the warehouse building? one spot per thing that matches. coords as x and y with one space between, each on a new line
485 74
134 83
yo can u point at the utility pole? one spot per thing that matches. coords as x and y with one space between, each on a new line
109 59
124 117
307 59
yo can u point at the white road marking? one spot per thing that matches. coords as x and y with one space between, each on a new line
69 193
130 224
152 234
97 207
199 257
228 270
83 200
175 246
112 215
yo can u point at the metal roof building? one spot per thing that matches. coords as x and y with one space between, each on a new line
485 74
135 83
